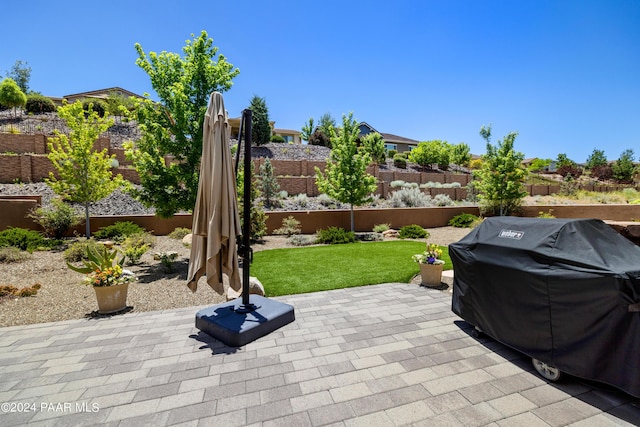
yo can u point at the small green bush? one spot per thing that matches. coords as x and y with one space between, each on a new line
98 106
392 153
39 104
409 198
413 231
290 226
381 228
464 220
25 240
118 231
179 233
56 220
11 254
6 290
335 235
277 138
77 251
399 161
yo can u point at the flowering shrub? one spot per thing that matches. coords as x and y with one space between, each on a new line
430 256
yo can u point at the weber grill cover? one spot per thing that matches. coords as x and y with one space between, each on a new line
564 291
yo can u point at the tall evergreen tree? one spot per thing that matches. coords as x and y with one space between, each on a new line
260 127
268 183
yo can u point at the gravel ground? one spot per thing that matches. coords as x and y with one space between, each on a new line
63 297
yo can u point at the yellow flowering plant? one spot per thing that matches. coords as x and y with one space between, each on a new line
430 256
103 268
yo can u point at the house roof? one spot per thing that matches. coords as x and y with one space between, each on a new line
103 93
389 137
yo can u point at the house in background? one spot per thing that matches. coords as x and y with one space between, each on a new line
290 136
97 94
391 142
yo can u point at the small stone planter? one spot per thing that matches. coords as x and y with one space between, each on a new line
111 299
431 274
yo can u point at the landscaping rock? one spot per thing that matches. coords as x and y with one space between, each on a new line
186 240
390 233
255 288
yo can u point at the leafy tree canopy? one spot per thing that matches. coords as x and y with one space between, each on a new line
595 159
345 177
428 153
172 128
461 155
84 174
373 144
11 96
623 168
21 74
501 176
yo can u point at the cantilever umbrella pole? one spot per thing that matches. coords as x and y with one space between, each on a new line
245 251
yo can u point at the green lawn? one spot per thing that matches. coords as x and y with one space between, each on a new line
321 268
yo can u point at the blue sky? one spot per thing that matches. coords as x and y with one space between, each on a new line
565 74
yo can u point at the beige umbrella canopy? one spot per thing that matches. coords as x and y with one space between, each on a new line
216 222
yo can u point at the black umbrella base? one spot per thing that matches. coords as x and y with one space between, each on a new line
236 325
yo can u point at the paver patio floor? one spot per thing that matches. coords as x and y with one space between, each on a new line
383 355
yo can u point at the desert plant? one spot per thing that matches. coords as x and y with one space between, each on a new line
179 232
463 220
77 251
409 198
413 231
166 259
335 235
442 200
57 219
290 226
134 253
397 184
135 245
300 200
381 228
12 254
118 231
301 240
6 290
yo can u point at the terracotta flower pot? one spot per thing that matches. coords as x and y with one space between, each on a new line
431 274
111 298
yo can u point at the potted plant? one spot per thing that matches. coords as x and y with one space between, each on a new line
430 265
103 270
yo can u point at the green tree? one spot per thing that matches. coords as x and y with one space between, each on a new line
21 74
260 127
373 144
623 168
327 124
11 96
172 128
84 174
258 218
307 130
268 183
563 160
502 176
428 153
345 178
461 155
595 159
538 165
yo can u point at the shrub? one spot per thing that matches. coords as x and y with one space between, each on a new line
570 169
77 251
409 198
464 220
6 290
134 253
397 184
57 219
325 200
179 233
28 291
392 153
602 173
166 259
39 104
400 161
300 200
413 231
98 106
442 200
370 237
335 235
139 239
26 240
381 228
302 240
118 231
290 226
12 254
277 138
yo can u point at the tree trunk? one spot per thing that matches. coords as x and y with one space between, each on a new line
353 226
86 219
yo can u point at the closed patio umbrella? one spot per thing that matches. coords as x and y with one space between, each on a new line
216 223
